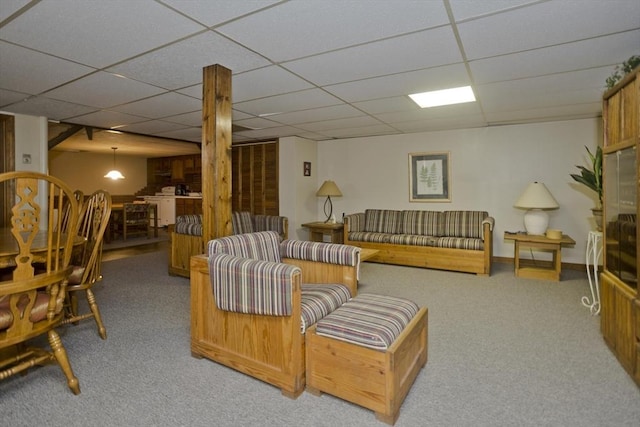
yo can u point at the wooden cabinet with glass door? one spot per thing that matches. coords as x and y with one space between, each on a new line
619 279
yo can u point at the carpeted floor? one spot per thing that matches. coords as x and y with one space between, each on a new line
502 352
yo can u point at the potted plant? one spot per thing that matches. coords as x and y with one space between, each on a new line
592 179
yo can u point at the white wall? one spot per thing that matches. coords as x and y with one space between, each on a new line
31 134
296 191
490 167
85 171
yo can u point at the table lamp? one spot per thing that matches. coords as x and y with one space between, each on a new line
536 198
329 188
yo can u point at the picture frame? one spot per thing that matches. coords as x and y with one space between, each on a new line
306 168
429 177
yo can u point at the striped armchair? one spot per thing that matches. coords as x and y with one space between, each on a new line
253 297
186 235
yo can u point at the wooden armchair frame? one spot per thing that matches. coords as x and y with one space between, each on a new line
269 348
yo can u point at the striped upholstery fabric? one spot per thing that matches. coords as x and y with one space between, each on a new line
464 223
412 239
459 243
382 221
424 223
264 246
252 286
369 320
363 236
269 223
331 253
189 224
320 300
354 222
241 222
627 217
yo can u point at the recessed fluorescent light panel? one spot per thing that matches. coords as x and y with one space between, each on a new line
436 98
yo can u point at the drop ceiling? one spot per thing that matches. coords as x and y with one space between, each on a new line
321 70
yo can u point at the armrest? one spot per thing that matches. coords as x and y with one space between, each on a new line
489 220
354 222
246 285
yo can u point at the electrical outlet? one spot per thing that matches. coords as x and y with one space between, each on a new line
26 159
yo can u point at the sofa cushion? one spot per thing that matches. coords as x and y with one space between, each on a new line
241 222
425 223
460 243
382 221
369 320
245 285
264 245
331 253
413 239
319 300
464 224
363 236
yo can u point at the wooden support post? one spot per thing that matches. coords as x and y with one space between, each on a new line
216 152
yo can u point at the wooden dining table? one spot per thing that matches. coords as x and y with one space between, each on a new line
9 247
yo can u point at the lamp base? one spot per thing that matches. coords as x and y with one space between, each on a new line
536 222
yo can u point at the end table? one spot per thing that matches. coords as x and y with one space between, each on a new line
317 231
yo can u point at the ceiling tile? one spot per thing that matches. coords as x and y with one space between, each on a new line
181 63
330 24
465 9
151 127
305 99
387 105
164 105
545 114
453 111
214 12
375 130
50 108
556 59
106 119
24 70
9 7
317 114
402 84
323 126
257 123
188 134
441 124
250 85
8 97
430 48
546 24
268 133
102 34
103 90
190 119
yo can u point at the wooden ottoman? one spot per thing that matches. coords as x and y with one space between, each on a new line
369 352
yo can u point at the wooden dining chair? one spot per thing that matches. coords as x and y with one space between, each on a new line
93 222
32 300
66 214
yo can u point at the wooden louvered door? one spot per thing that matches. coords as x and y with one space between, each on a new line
255 178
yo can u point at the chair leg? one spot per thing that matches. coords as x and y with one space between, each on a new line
61 356
91 299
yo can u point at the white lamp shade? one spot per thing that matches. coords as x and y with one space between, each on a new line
114 174
536 196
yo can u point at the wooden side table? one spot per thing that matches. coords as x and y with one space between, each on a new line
539 269
317 231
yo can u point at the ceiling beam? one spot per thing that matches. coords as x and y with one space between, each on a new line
64 135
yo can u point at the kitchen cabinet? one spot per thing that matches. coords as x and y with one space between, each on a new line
171 206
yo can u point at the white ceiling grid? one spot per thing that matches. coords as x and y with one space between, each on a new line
316 69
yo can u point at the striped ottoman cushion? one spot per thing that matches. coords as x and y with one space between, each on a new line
320 300
369 320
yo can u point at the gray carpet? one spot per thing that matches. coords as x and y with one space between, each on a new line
502 352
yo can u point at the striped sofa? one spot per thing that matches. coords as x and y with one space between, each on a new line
185 236
449 240
253 297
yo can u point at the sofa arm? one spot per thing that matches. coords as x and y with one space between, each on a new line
489 220
246 285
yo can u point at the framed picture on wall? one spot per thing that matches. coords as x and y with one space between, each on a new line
306 168
429 177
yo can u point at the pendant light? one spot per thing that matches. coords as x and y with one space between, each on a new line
114 173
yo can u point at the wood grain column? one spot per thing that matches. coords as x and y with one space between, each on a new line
216 152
